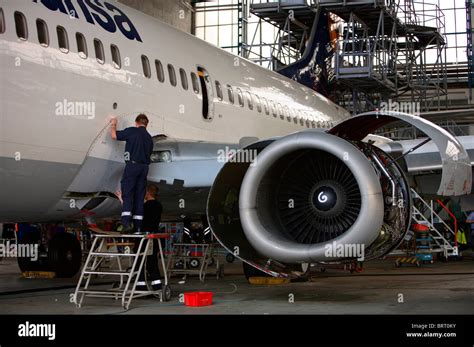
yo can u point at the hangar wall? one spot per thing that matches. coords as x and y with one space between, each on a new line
173 12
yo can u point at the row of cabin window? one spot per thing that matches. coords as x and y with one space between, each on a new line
160 74
268 107
63 44
265 105
21 27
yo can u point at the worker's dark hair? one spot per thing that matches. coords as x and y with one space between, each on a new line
142 119
153 190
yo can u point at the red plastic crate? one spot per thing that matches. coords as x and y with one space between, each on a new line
420 227
197 299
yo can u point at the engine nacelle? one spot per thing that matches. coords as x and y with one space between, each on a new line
302 193
310 190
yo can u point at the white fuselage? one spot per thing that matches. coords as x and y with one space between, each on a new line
56 103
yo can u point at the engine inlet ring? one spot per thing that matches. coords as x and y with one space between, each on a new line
268 234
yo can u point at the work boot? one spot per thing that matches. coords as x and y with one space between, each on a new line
138 231
125 229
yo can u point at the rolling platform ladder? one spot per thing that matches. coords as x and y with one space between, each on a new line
424 213
194 259
121 257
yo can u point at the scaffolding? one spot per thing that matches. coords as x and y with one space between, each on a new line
293 20
381 51
470 54
384 49
389 50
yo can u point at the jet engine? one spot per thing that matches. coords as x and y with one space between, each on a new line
306 192
283 203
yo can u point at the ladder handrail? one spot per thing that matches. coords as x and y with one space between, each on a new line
432 212
453 217
446 243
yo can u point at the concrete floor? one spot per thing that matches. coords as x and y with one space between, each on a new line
441 288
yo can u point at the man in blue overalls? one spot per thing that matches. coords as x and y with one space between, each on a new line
138 149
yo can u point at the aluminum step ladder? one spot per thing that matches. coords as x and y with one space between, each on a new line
194 259
106 258
440 243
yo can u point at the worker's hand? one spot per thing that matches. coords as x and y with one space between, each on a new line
118 194
113 121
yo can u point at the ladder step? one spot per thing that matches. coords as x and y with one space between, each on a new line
113 254
104 292
120 273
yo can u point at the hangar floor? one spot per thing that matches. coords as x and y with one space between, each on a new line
440 288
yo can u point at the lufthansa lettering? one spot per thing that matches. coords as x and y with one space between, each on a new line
107 15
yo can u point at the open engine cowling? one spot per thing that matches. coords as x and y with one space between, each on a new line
306 191
303 192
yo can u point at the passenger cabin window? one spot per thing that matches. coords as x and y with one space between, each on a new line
21 26
160 73
230 94
303 116
240 97
265 106
42 28
289 113
258 103
184 79
172 75
273 108
286 113
220 96
116 61
299 114
195 82
249 100
2 21
81 45
63 42
99 51
146 66
280 110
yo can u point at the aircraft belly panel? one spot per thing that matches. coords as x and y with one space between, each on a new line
30 188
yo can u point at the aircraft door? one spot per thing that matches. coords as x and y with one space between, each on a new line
207 94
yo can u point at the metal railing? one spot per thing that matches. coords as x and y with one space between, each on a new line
428 216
